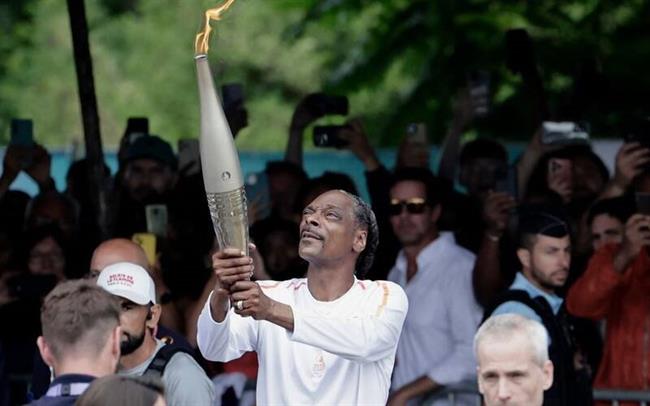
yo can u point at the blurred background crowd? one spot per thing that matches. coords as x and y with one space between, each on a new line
494 137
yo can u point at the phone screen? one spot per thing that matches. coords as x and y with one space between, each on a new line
22 132
156 215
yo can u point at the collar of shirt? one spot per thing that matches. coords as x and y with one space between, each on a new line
433 251
139 369
76 383
524 284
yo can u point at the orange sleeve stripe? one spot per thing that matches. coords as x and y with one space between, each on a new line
384 299
270 286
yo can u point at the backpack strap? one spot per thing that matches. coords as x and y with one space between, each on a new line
157 366
539 305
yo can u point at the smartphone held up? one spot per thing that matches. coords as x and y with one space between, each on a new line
329 136
22 137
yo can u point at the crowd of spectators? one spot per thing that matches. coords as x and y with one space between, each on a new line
549 235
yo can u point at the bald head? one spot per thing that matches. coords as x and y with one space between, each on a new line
117 250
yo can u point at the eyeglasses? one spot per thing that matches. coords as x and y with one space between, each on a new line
415 205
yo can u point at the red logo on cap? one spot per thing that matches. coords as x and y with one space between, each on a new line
120 279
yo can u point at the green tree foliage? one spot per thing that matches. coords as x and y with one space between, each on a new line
592 55
398 61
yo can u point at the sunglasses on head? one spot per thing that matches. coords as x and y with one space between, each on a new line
415 205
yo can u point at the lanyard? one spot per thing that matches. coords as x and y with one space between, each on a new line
67 389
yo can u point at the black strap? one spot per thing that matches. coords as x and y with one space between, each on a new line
157 366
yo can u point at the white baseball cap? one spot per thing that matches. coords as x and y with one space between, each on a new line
129 281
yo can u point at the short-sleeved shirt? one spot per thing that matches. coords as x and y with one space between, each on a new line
185 381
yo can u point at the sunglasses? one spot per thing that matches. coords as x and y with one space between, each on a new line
415 205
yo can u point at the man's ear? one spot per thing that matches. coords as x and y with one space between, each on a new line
154 316
547 370
116 340
360 239
524 257
46 352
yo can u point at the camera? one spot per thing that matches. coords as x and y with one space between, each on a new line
328 136
564 132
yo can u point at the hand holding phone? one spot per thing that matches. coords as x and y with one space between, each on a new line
478 83
329 136
22 138
506 181
564 133
414 150
317 105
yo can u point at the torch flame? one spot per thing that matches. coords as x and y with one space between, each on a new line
203 37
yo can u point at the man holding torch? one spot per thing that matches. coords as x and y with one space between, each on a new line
329 338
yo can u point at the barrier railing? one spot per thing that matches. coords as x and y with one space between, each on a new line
614 396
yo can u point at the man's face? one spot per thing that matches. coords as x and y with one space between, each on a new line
606 229
328 230
147 178
46 258
480 175
410 227
547 263
133 321
53 210
509 375
587 179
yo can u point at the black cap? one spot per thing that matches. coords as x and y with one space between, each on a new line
547 221
152 147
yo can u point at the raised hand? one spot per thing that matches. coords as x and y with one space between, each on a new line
496 213
630 160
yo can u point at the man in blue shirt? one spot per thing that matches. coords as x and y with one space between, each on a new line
81 339
545 255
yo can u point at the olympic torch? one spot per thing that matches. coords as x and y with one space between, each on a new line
222 175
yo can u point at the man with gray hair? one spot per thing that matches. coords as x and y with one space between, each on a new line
513 364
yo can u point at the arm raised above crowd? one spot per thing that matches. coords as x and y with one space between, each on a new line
592 294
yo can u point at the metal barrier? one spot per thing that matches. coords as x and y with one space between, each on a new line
452 392
614 396
618 395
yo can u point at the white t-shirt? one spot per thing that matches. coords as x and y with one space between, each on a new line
340 352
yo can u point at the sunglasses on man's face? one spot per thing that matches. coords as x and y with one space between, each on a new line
415 205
